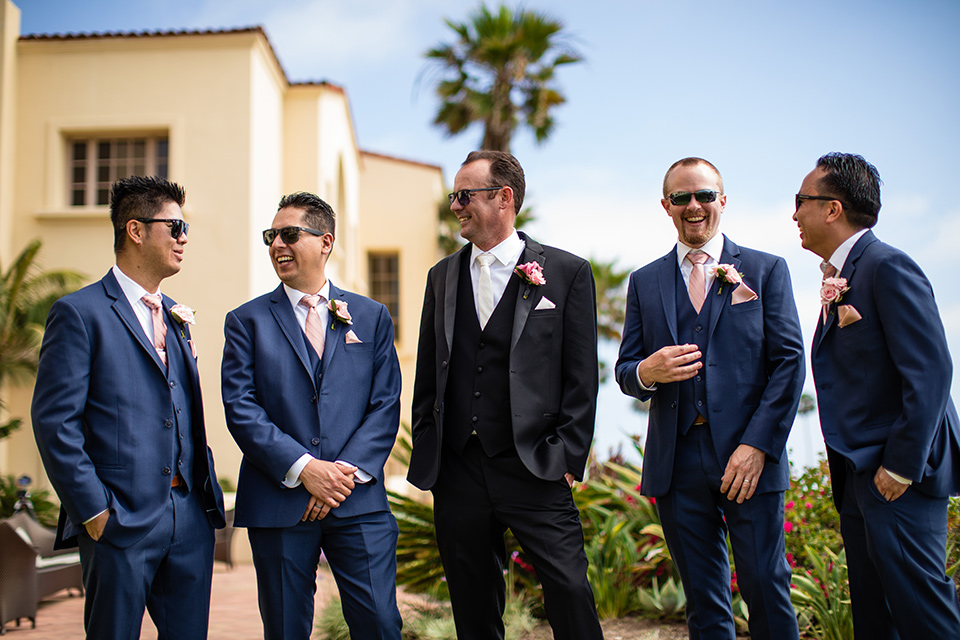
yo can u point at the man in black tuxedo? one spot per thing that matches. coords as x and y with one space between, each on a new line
504 406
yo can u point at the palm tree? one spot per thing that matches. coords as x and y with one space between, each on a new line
501 68
26 295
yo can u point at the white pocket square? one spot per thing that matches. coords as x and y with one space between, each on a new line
351 338
545 303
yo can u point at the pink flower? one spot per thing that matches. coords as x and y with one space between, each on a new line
789 505
727 273
808 505
183 314
832 290
788 527
531 273
338 311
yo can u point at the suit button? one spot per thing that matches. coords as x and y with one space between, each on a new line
315 441
699 378
698 328
483 345
474 419
444 364
699 403
168 423
165 471
479 369
178 410
173 384
476 394
673 405
313 399
179 463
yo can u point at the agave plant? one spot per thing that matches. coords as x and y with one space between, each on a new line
822 596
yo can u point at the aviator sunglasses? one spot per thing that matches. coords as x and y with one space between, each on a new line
682 198
177 227
289 235
463 196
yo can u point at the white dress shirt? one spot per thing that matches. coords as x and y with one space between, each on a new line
134 293
292 479
507 254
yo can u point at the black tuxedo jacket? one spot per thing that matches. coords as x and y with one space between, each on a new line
554 375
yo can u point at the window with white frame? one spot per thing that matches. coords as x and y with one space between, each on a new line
384 274
96 163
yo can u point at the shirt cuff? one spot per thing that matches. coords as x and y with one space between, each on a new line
652 387
95 517
292 479
359 475
898 478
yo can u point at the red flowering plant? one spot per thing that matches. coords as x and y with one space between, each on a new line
810 519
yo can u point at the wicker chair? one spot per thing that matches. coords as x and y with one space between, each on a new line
30 569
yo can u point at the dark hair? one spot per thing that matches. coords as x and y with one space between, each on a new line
690 162
856 183
505 171
139 197
317 214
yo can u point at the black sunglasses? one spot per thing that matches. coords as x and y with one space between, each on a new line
289 235
463 196
177 227
799 198
682 198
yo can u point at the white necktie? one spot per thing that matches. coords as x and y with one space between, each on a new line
485 302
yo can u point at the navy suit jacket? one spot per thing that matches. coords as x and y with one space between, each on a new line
554 374
278 410
101 407
883 382
753 364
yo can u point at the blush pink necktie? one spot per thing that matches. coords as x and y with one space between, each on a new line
152 300
829 271
695 287
313 327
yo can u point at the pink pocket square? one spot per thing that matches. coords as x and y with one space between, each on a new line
351 338
743 293
847 315
193 348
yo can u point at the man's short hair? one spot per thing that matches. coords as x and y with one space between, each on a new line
505 171
691 162
317 214
139 197
856 183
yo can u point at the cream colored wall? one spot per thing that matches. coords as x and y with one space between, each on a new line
408 226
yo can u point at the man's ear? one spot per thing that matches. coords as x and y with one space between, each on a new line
835 212
136 231
506 198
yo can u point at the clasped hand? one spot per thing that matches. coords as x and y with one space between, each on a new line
670 364
329 484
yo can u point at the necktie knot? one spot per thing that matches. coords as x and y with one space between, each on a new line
829 271
697 257
152 300
486 259
311 302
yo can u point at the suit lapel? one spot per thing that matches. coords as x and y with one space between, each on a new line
722 301
532 252
283 313
849 267
335 332
174 329
122 308
668 291
450 294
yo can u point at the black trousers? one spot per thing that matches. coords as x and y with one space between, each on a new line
476 499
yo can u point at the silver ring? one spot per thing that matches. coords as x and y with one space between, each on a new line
316 506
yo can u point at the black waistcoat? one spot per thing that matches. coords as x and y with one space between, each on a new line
478 385
693 329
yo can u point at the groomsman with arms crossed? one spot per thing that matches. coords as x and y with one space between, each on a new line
311 391
883 373
118 418
504 406
712 339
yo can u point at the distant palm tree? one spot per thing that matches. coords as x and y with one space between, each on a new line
501 68
26 295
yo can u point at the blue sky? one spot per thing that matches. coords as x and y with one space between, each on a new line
761 89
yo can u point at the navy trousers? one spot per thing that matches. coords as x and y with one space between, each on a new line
695 518
168 572
362 553
895 561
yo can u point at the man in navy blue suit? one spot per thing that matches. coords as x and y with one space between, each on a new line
883 373
712 339
311 390
118 419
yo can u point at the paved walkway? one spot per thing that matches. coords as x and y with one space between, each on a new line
233 612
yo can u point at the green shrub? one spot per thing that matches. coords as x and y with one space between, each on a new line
821 596
811 520
46 510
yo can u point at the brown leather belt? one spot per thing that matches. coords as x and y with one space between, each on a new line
700 420
177 481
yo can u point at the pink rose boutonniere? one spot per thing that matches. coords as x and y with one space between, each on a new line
184 315
728 274
832 290
532 274
338 311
